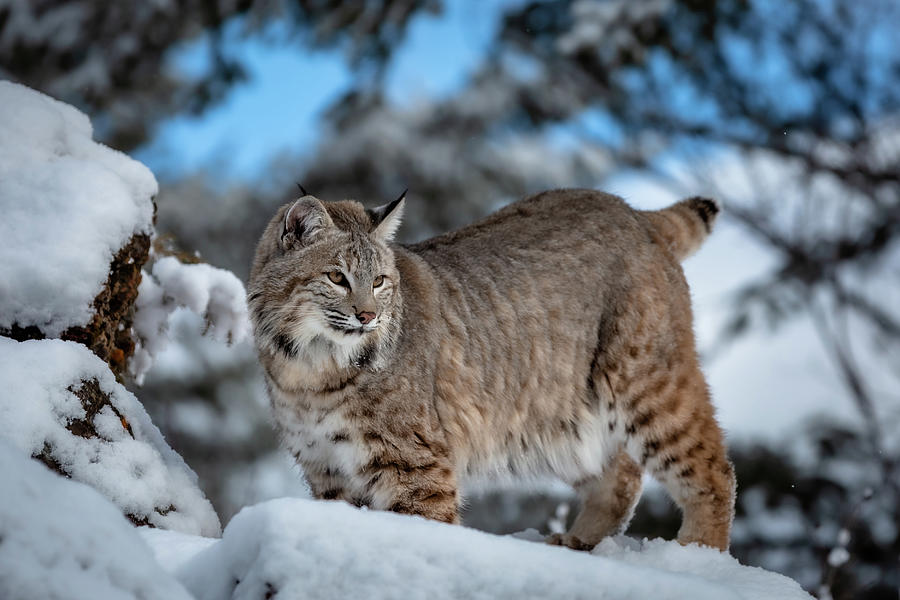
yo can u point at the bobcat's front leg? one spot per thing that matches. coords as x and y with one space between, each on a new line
415 477
431 499
607 504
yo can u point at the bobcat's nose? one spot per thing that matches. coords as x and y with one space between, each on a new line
365 317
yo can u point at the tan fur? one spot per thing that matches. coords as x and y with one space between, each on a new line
681 230
552 338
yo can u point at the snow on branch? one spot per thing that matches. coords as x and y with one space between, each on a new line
216 294
601 25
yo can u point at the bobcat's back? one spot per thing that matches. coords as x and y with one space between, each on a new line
533 301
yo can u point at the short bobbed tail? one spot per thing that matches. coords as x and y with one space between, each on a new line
685 225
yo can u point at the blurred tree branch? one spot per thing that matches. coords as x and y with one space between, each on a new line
113 59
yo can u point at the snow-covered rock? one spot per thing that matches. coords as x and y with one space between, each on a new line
61 403
60 539
76 223
295 548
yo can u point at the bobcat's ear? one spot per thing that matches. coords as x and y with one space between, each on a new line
303 221
386 218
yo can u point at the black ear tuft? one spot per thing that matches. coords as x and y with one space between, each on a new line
301 189
386 218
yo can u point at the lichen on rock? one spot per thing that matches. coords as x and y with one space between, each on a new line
109 333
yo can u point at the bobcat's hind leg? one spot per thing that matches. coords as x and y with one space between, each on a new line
686 453
607 504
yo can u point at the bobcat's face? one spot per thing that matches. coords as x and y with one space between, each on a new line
346 288
325 281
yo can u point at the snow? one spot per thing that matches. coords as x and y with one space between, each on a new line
838 556
173 548
60 539
140 474
604 26
216 294
704 563
303 548
68 205
843 537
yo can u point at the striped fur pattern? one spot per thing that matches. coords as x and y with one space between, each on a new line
553 337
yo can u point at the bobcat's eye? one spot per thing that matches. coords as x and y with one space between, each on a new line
338 278
378 281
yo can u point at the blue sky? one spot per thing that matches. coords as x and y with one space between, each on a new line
279 108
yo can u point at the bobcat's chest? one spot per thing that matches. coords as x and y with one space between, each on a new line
322 440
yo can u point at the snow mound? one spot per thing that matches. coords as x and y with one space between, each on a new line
60 539
706 563
68 205
216 294
296 548
113 447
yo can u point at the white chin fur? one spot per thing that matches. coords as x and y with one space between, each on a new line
322 339
317 343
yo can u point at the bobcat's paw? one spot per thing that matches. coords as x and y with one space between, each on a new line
568 540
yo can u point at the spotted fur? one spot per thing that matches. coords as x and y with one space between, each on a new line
552 338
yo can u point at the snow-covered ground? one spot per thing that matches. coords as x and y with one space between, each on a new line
294 548
303 548
60 539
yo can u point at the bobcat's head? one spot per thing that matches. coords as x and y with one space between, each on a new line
324 281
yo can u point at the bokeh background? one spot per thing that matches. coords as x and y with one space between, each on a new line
787 112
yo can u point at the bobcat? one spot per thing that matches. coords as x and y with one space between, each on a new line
553 337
